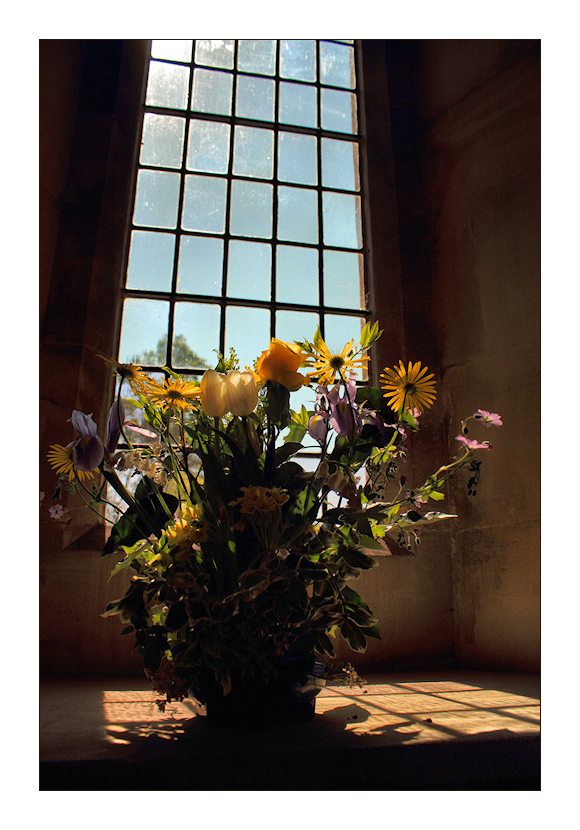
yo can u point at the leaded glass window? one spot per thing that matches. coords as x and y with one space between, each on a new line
247 219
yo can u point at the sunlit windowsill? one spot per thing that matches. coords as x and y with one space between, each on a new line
410 714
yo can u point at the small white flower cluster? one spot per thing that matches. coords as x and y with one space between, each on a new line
144 463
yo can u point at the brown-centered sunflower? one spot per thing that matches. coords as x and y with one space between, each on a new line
407 388
327 365
172 393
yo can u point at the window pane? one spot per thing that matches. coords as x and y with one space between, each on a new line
251 209
151 261
143 328
341 220
162 143
247 332
196 334
167 85
338 111
254 152
297 158
208 149
172 50
257 56
255 98
215 53
340 164
249 270
297 214
156 199
212 91
298 59
343 279
296 274
297 105
296 325
204 204
200 265
339 329
337 65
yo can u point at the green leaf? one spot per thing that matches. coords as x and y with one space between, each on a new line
325 645
355 558
314 574
177 616
436 495
412 518
286 451
277 404
131 529
370 543
130 556
353 636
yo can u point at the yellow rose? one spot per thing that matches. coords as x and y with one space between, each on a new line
280 363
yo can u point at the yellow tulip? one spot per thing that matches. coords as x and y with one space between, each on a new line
215 400
280 363
243 392
235 392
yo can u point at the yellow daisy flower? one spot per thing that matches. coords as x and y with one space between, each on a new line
60 459
172 393
328 365
128 371
407 388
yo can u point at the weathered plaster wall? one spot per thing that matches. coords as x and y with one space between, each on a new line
90 92
480 105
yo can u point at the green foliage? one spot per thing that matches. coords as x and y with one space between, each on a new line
182 355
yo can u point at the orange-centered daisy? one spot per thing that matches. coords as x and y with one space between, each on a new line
172 393
327 365
407 388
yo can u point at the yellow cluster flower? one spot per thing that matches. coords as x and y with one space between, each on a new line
260 499
187 528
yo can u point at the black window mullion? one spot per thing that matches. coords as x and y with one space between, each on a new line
321 298
224 301
275 190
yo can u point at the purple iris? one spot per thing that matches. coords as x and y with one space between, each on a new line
88 449
340 411
116 418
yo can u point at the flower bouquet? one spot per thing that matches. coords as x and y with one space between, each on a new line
244 521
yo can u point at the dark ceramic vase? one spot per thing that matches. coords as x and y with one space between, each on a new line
291 696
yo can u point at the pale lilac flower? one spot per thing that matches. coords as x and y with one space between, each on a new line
490 419
41 495
472 444
56 511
